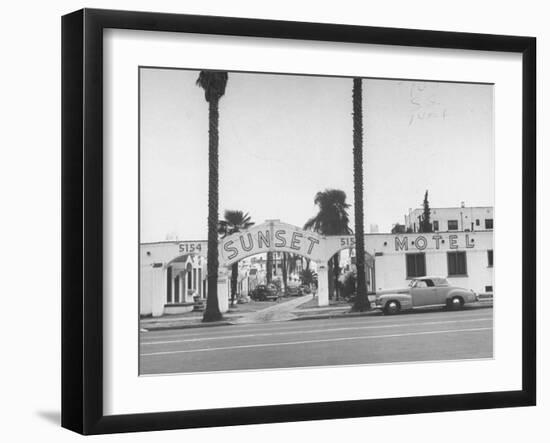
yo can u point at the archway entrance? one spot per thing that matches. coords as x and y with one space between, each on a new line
273 272
185 279
275 237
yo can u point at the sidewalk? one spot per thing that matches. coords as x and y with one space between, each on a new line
317 313
279 312
273 312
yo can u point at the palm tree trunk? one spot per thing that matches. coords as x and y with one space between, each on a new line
269 268
336 275
212 311
361 300
284 264
331 278
234 281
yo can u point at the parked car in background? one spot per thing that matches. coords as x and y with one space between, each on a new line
422 292
292 290
264 293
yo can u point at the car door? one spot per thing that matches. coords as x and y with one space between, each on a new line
424 293
443 288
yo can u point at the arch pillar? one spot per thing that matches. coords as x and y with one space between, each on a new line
322 282
223 283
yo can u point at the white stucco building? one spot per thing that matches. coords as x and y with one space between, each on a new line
464 258
463 218
173 273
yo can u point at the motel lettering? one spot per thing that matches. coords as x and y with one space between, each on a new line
433 241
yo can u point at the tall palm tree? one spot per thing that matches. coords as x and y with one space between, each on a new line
233 222
213 83
332 219
361 300
285 262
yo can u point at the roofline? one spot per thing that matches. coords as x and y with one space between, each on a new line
343 235
455 207
173 241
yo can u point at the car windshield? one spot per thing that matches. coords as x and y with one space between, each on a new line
412 283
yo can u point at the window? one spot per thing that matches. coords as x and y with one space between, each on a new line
490 258
489 288
425 283
477 221
436 225
416 265
452 225
456 263
488 223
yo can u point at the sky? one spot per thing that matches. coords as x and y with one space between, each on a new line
283 138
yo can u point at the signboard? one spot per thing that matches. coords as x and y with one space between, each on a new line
193 247
271 236
420 242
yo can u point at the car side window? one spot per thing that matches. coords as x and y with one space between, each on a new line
429 283
420 284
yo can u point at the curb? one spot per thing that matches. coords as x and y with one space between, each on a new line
190 326
301 318
376 312
337 315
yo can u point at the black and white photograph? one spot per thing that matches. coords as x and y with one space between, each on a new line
269 222
304 221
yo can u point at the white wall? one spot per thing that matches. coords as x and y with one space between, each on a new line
391 270
30 183
146 292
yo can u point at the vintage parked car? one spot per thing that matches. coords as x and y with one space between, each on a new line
292 290
422 292
265 292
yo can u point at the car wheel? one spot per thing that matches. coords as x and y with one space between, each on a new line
392 307
456 303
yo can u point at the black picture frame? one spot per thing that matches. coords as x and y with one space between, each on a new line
82 220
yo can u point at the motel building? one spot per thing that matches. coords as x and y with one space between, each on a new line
465 218
173 273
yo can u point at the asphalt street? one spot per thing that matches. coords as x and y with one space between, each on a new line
417 336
